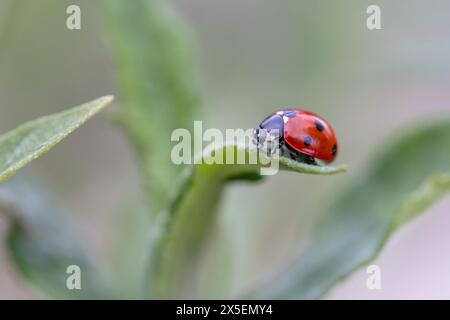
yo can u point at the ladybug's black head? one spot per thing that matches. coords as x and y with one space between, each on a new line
271 129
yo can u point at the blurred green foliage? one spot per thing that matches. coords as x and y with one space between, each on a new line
157 83
158 93
41 243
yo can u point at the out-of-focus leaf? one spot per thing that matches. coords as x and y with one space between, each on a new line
131 247
32 139
195 207
40 241
157 85
42 244
407 178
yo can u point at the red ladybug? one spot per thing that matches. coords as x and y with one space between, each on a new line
301 135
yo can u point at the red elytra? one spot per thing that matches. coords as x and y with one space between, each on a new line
309 134
304 132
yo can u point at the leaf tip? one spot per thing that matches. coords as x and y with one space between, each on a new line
106 99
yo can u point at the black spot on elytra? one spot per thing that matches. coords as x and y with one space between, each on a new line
319 126
334 150
307 141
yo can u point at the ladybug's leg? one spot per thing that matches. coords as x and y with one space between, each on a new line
297 156
281 147
285 151
300 157
310 160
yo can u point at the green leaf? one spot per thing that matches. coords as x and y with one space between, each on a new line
412 174
159 93
196 205
157 84
130 248
32 139
42 244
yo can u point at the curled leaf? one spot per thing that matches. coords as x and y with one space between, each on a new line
195 207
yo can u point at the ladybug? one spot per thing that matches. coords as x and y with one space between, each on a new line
301 135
